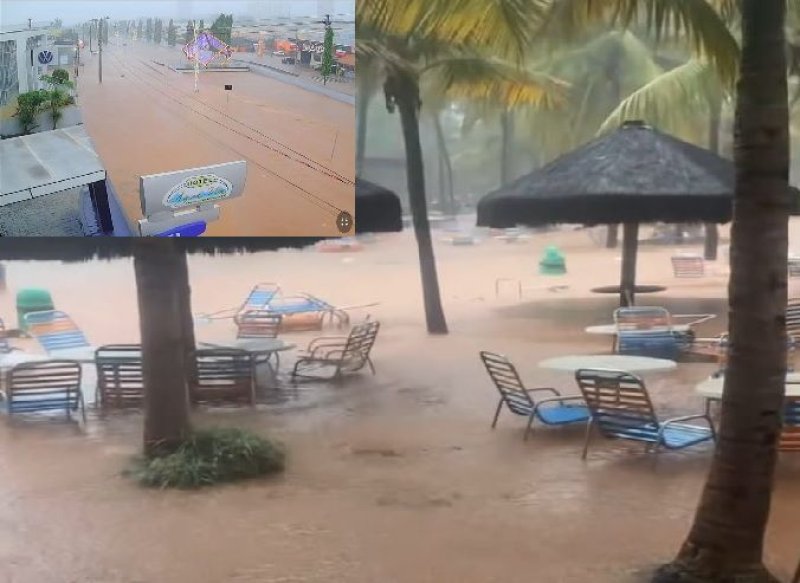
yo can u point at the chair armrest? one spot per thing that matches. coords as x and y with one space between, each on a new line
698 318
557 399
326 340
548 389
686 418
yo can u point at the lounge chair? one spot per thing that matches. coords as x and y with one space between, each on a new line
54 330
519 401
621 409
688 266
259 297
119 376
224 376
48 385
311 310
794 266
345 354
258 324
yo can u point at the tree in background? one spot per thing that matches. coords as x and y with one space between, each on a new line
327 51
157 31
189 32
148 31
202 26
171 33
103 31
139 29
222 28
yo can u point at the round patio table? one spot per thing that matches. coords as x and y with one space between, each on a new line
253 345
609 362
711 388
637 289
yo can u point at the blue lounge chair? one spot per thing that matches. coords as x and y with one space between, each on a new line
308 304
49 385
54 330
550 411
621 408
259 297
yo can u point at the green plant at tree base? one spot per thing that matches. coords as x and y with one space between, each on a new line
28 105
327 55
211 456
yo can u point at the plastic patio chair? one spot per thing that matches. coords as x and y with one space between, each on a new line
224 376
259 297
346 354
621 409
48 385
54 330
519 401
120 384
688 266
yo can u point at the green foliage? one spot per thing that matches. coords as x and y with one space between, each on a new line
139 29
148 29
211 456
171 33
222 28
28 105
189 36
327 54
157 31
59 77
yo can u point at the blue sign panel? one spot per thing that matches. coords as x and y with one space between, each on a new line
188 230
45 57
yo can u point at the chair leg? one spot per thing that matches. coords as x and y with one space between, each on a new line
83 410
528 427
497 413
587 438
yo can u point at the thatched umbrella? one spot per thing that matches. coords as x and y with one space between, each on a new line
633 175
377 208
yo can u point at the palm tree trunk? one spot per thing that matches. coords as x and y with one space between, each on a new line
362 114
507 151
726 541
712 232
445 167
402 89
160 288
187 319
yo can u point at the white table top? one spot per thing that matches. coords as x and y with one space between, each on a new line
611 329
18 357
711 388
260 345
81 354
608 361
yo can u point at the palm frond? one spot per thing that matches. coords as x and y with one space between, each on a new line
668 98
497 82
695 21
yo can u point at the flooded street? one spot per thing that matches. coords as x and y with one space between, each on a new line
145 118
395 478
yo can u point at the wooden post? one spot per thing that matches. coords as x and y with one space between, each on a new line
630 242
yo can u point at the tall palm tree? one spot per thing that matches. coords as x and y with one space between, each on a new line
451 41
727 539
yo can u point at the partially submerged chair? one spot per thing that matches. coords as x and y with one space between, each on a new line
48 385
259 297
224 376
519 401
345 354
621 409
790 433
54 330
314 309
120 384
687 265
257 324
647 331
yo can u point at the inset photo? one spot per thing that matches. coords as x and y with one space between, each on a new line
178 119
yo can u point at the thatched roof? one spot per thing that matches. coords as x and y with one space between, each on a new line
377 211
377 208
635 174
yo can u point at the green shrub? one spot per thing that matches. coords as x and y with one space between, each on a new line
211 456
28 105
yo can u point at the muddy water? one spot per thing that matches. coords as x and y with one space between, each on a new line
146 119
392 478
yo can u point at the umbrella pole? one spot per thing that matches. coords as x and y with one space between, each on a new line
630 243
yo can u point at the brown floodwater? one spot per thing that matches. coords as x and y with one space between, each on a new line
146 119
395 478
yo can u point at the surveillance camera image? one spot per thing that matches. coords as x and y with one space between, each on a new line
177 118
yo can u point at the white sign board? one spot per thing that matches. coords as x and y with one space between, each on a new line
172 192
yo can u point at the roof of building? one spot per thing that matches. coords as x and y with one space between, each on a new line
47 162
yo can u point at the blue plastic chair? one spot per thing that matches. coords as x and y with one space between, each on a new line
621 408
49 385
647 331
54 330
550 411
259 297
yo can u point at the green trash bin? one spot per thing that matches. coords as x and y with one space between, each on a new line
552 262
32 300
